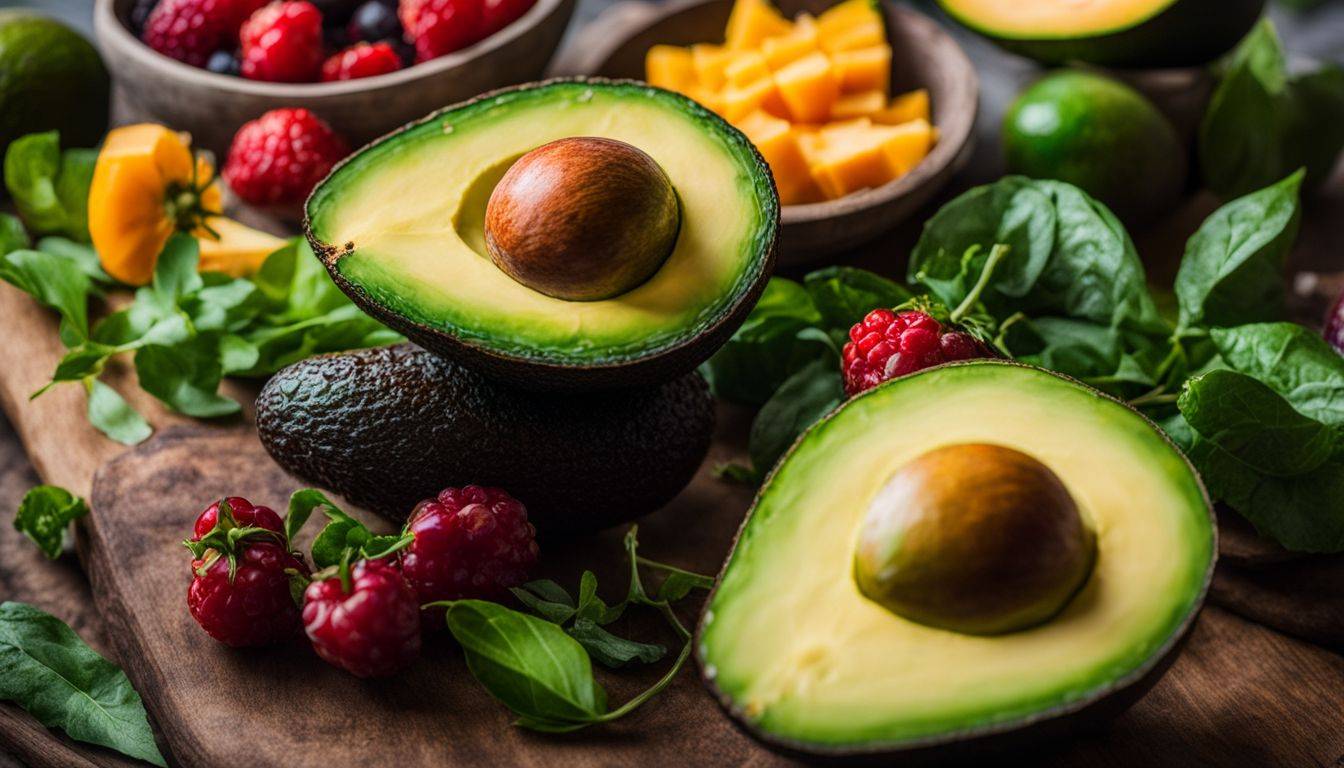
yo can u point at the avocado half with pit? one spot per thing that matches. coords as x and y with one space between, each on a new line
571 234
964 557
1116 33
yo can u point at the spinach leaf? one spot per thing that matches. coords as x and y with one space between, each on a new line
1255 424
1293 361
185 377
50 188
610 650
766 350
843 295
46 669
530 665
1263 123
1099 355
113 416
1232 271
45 514
13 237
546 599
804 398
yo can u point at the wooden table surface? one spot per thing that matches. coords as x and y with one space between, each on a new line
1268 699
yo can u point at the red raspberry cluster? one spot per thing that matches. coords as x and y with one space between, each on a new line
887 344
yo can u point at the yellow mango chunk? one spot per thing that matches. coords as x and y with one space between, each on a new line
670 67
866 35
777 142
905 145
711 100
809 87
740 101
786 49
842 167
847 15
858 105
238 250
864 69
746 67
752 21
904 108
709 61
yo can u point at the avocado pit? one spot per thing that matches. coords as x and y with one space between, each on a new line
975 538
582 219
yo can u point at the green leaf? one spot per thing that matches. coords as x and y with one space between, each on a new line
175 274
1291 360
843 295
548 589
1252 422
807 396
766 350
555 611
185 377
46 669
45 514
528 664
1262 124
50 188
79 254
1232 271
55 283
610 650
301 505
679 584
1304 513
13 237
113 416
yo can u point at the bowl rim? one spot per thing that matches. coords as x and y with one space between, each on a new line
112 33
948 153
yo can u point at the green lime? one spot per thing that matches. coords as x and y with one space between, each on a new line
1098 134
50 78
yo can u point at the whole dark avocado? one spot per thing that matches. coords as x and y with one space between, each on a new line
1100 135
388 427
51 78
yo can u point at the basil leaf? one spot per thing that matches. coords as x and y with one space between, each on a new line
548 589
1252 422
45 514
13 237
554 611
679 584
55 283
1291 360
113 416
610 650
46 669
185 377
528 664
844 295
803 399
1304 513
1232 271
765 350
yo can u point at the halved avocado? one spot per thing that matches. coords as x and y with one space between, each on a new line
1117 33
805 654
401 227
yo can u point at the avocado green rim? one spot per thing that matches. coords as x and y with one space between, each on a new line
747 288
951 739
1094 34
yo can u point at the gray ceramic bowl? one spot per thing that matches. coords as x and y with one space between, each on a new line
150 86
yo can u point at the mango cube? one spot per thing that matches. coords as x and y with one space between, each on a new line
859 105
847 15
786 49
777 142
905 145
904 108
745 68
670 67
867 35
709 61
752 21
738 102
809 87
864 69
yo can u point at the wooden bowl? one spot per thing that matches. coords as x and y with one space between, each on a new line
150 86
923 56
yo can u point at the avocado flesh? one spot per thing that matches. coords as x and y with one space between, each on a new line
388 427
1121 33
799 656
401 223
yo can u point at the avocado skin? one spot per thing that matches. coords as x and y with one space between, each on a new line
1100 135
1187 33
388 427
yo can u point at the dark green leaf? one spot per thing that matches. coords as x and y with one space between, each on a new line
610 650
46 669
1293 361
843 295
113 416
679 584
803 399
1232 272
766 350
1254 423
13 237
301 505
528 664
548 589
45 514
555 611
590 605
185 377
80 363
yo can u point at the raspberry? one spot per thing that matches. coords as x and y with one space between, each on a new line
471 542
189 30
282 42
498 14
277 159
371 630
361 60
885 345
439 27
240 589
